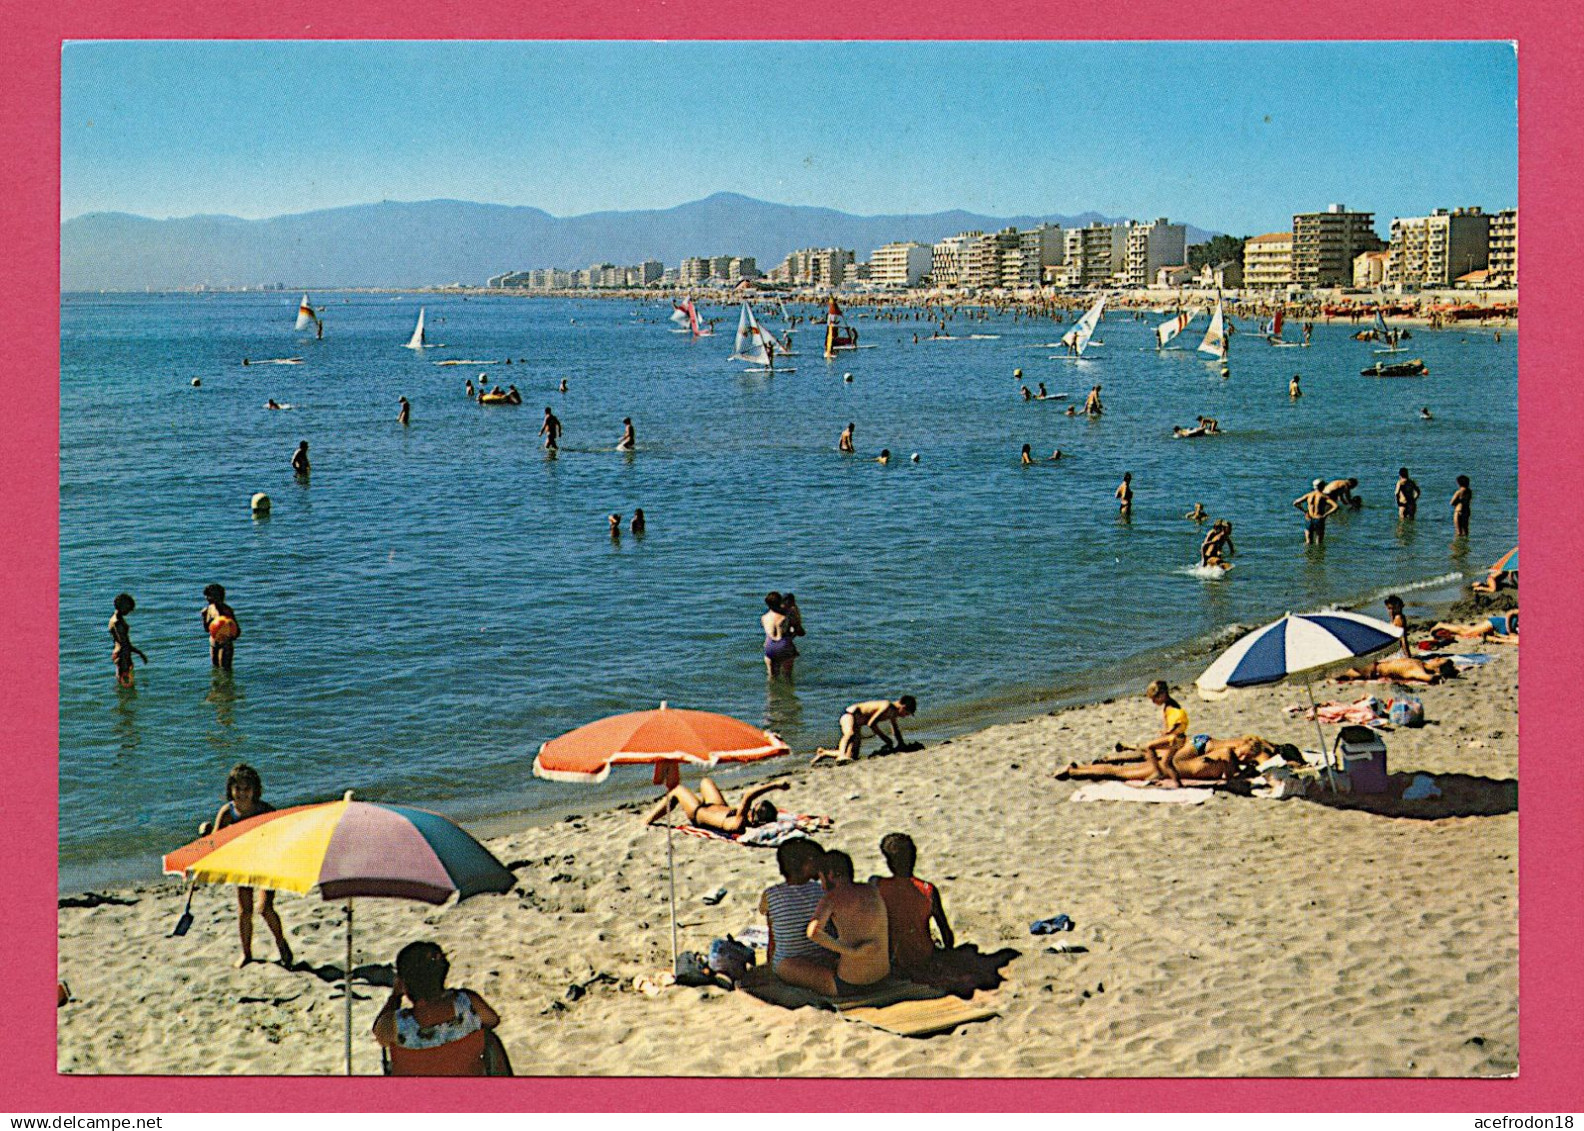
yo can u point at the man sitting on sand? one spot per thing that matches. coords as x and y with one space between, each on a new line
789 908
1403 669
850 922
1211 759
709 809
870 713
911 904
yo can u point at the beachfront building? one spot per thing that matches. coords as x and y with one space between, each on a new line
1369 270
741 267
1150 247
1325 244
693 271
1095 255
1224 276
816 266
1503 262
1433 250
647 273
957 260
1038 249
1268 261
899 264
1175 275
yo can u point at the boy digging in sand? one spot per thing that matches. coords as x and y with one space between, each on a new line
871 714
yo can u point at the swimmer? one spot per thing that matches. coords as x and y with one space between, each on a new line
299 460
562 387
1023 391
512 395
1056 455
470 392
1124 492
1293 390
271 403
403 414
1407 494
845 442
1025 458
1209 423
638 524
550 430
1462 505
121 647
884 457
1424 413
1092 405
1198 514
615 527
629 438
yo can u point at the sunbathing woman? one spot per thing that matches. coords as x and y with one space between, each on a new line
1499 628
1403 669
709 809
1213 759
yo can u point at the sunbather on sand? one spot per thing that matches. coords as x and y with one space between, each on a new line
709 809
1499 628
1215 759
1402 669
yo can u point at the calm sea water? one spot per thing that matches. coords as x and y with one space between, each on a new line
441 599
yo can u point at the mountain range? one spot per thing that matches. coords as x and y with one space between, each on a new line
436 242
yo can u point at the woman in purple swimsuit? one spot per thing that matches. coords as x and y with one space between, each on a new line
779 650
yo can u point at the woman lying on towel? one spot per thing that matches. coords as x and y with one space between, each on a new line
1201 758
1403 669
709 809
1498 628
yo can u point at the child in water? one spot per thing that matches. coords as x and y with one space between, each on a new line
122 649
245 799
219 621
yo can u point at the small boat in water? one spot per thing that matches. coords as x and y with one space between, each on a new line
1413 368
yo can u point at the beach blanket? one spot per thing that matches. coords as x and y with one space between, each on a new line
895 1005
1368 711
1125 791
785 827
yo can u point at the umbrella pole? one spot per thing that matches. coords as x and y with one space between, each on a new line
346 987
1324 753
671 868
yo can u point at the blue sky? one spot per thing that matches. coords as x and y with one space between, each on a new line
1233 137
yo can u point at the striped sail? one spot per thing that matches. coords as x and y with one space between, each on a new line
1215 339
1077 339
1169 329
679 313
305 314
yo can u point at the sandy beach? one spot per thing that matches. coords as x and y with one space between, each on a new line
1238 937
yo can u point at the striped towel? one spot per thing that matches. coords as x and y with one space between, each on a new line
785 827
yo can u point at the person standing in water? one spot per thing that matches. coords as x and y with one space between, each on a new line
220 622
1316 506
299 460
121 647
638 524
615 528
244 799
403 414
780 652
551 430
845 443
1293 390
1462 505
1124 494
1407 494
1026 458
629 438
1092 405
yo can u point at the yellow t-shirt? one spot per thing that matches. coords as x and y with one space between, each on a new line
1176 720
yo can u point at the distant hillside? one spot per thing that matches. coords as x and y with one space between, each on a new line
444 241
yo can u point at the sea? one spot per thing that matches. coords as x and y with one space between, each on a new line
435 601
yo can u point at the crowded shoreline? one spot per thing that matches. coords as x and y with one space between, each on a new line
1242 936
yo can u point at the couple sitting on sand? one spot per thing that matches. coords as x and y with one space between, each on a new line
837 937
1172 757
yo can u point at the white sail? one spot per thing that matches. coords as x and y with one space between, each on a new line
305 314
1077 339
416 342
753 344
1168 330
1215 339
679 313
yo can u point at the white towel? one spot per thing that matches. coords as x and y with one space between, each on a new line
1123 791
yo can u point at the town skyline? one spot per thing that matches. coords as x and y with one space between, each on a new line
1225 136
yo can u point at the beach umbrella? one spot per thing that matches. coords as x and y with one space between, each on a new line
1303 646
667 738
346 849
1508 562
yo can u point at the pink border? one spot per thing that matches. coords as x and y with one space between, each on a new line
1552 1019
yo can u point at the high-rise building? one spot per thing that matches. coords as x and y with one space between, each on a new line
1150 247
899 264
1040 247
1268 261
1434 250
741 267
1095 255
649 271
952 259
1504 248
693 271
816 266
1325 244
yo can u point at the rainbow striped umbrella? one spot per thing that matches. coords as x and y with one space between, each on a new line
346 849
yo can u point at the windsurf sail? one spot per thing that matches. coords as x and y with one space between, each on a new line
1077 339
838 335
416 342
306 316
1169 329
1215 339
679 313
696 324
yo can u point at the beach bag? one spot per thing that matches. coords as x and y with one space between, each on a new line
1407 712
729 957
692 969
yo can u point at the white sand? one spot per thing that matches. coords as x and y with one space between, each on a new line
1240 937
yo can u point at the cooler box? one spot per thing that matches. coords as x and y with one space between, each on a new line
1362 754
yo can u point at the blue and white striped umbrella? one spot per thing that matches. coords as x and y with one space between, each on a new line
1298 644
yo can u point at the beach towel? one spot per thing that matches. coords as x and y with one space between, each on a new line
908 1009
785 827
1125 791
1368 711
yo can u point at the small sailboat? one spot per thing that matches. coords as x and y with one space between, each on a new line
1077 339
838 335
696 325
1274 337
417 342
1166 331
755 344
1384 334
305 315
1215 339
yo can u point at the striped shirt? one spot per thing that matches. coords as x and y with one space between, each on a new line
791 909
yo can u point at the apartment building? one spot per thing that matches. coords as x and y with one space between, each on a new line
1038 248
693 271
1150 247
1095 255
1325 244
816 266
1503 263
1369 270
741 267
1434 250
1268 261
954 259
899 264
